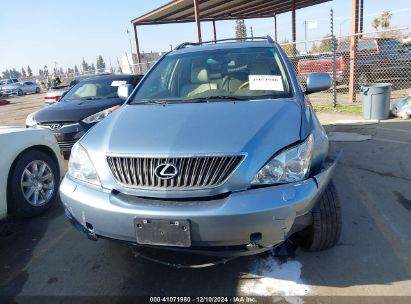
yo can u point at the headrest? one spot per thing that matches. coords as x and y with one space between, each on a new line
199 75
260 68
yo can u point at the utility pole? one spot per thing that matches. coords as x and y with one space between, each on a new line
305 34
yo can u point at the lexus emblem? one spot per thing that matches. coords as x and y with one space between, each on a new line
166 171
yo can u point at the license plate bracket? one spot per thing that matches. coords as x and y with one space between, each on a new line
163 232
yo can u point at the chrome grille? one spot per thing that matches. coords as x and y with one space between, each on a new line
65 146
194 172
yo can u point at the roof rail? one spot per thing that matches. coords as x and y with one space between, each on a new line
261 38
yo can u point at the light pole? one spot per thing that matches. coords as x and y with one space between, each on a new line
305 34
131 52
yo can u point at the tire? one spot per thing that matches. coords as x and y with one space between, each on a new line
20 185
37 90
325 230
20 93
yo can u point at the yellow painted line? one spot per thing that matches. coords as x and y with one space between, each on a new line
381 222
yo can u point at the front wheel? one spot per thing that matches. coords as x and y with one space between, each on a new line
325 230
32 184
20 93
37 90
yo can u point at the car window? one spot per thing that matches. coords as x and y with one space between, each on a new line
363 45
95 89
392 45
243 73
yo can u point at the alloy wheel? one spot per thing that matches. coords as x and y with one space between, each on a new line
37 183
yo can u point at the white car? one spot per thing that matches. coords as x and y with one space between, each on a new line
31 168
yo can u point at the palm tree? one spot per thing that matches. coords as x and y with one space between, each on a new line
376 23
385 19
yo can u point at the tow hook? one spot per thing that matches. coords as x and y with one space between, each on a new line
252 246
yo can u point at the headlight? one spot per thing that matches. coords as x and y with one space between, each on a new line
100 115
30 122
81 167
291 165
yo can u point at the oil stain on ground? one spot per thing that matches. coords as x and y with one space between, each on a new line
406 203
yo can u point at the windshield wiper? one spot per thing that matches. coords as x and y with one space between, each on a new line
220 97
149 101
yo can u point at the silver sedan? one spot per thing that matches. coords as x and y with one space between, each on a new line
21 88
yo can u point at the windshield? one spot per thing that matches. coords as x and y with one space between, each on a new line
95 89
237 73
392 45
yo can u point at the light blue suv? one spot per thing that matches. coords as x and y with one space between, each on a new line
217 150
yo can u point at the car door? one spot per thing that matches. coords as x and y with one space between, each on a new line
27 87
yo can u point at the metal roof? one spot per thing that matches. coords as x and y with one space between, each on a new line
179 11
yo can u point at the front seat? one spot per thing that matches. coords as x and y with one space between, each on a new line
200 82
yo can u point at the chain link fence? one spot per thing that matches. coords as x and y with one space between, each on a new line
379 57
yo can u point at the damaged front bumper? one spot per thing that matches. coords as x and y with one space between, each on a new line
239 223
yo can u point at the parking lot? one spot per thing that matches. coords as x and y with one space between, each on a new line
47 256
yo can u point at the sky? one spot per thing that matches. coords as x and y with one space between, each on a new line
62 33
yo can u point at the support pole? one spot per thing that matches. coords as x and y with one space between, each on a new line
353 51
214 31
294 33
138 51
361 16
275 27
197 16
334 47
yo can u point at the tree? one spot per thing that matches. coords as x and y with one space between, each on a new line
6 74
326 45
289 48
93 68
41 73
240 29
45 71
23 72
76 69
101 65
376 23
85 66
14 73
29 71
61 72
385 19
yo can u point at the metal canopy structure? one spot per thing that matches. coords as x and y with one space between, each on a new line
182 11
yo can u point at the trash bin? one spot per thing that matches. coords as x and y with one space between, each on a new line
376 100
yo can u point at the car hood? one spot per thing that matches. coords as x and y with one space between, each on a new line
10 87
257 129
73 110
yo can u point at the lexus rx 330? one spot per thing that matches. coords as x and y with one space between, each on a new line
216 150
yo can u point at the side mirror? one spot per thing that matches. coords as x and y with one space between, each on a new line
124 91
317 82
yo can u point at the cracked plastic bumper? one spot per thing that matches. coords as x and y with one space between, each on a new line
225 221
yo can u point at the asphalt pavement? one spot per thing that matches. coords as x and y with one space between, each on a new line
46 256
